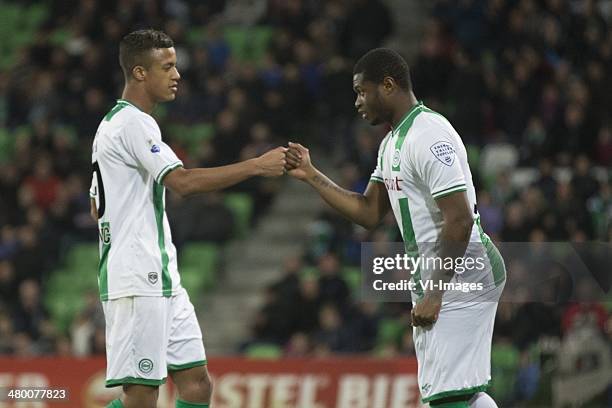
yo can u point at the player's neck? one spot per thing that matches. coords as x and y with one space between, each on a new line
404 105
138 98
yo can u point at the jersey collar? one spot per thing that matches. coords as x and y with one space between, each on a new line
405 117
128 103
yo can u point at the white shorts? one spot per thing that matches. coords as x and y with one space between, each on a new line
454 355
148 336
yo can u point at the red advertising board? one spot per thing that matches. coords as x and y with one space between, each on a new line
238 382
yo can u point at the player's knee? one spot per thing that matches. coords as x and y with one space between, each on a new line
140 397
199 389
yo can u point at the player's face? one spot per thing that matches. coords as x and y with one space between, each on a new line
162 75
369 102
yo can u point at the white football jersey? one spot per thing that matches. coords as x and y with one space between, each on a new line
423 159
130 161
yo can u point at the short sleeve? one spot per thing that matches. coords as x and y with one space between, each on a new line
144 144
436 163
377 175
93 189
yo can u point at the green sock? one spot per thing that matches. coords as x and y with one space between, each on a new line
184 404
115 404
454 404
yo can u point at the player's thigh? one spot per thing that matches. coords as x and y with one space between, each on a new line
193 384
185 345
137 336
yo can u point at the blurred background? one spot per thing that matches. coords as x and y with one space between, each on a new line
273 273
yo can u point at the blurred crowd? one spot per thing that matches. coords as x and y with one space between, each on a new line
527 84
241 99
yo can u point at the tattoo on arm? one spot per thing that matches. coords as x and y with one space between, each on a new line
323 183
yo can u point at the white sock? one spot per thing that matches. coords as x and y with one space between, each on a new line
482 400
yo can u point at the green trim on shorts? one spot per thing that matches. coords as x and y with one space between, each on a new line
134 380
454 393
178 367
184 404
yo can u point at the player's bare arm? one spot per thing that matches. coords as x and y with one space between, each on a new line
366 209
93 211
186 182
454 240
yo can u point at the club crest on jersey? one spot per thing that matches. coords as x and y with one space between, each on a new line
155 149
153 277
396 159
445 152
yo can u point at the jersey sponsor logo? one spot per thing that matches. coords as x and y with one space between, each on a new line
145 365
155 149
396 158
393 184
153 277
105 235
445 152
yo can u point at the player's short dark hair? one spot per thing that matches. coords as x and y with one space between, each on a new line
379 63
135 47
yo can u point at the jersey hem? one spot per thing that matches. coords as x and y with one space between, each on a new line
164 172
449 190
454 393
134 380
156 293
178 367
376 179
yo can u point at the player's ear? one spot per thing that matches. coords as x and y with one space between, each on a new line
388 84
139 73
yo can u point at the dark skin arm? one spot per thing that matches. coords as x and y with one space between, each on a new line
366 209
93 211
454 240
186 182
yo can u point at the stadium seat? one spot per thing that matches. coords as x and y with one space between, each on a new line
198 263
6 145
241 205
352 277
64 298
248 44
389 331
264 351
505 364
192 136
83 256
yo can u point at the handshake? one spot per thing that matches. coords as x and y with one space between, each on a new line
293 160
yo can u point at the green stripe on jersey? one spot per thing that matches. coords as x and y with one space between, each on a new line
158 203
412 248
498 267
382 154
449 190
105 237
117 108
404 127
164 172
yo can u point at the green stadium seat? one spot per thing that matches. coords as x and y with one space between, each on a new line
64 298
473 154
198 264
6 145
248 44
83 256
352 277
504 364
264 351
241 205
389 331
